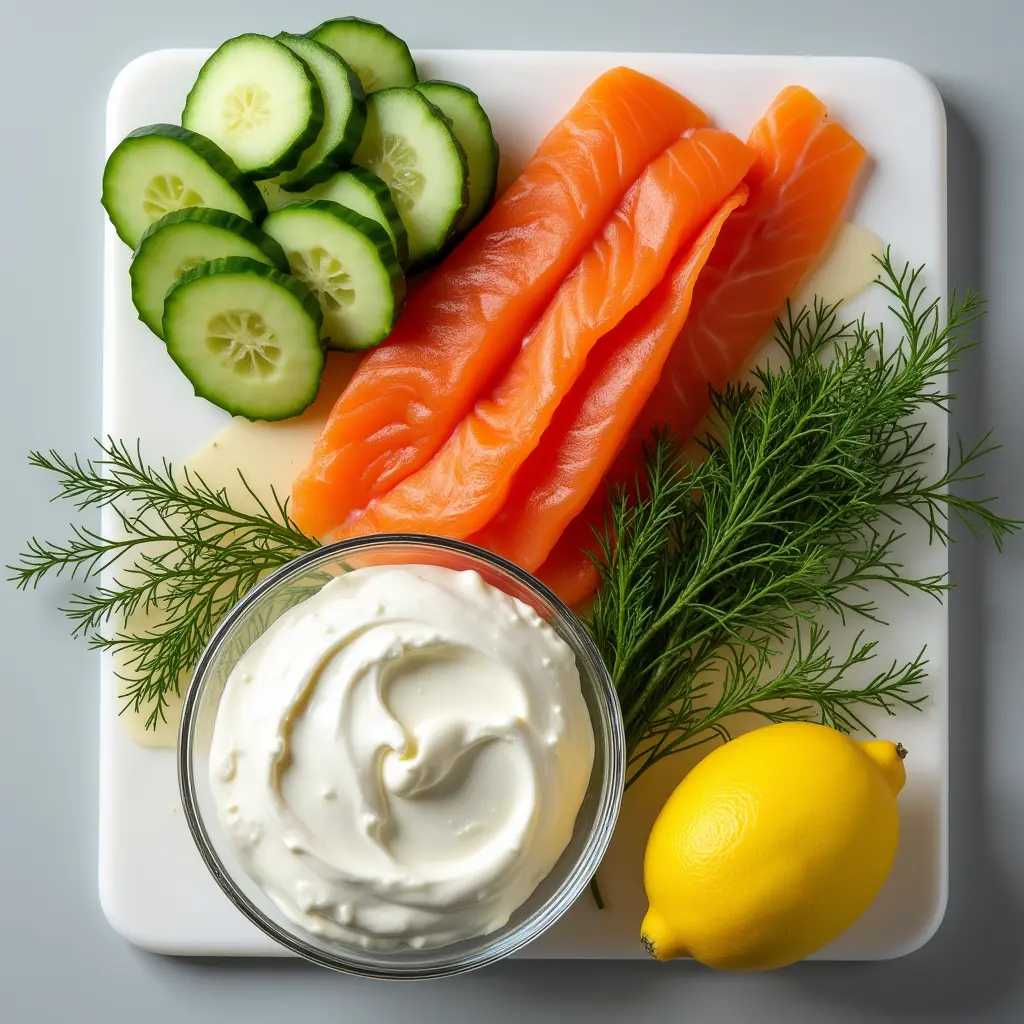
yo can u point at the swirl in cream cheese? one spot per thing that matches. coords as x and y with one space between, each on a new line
399 760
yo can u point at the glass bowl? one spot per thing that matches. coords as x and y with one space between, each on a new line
299 580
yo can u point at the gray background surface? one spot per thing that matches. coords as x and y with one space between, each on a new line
58 958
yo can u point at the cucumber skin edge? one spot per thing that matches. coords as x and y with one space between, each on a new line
442 250
237 264
379 238
245 230
216 159
432 257
382 194
464 229
288 160
353 136
307 300
352 18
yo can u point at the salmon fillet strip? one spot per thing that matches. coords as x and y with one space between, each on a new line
467 320
592 424
465 484
800 183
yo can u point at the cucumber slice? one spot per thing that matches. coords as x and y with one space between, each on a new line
362 191
259 102
161 168
247 337
408 144
344 114
379 57
348 262
273 195
472 127
184 239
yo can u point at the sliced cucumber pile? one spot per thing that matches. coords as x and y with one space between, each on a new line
379 57
349 264
344 114
184 239
362 191
162 168
472 127
259 102
410 146
364 170
247 337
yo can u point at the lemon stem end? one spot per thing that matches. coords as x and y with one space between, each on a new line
656 938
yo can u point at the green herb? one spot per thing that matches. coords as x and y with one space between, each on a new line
712 578
711 581
182 551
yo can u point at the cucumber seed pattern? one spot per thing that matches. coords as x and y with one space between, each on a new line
241 337
166 193
325 277
246 108
396 166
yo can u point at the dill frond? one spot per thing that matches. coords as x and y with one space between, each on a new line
181 550
713 570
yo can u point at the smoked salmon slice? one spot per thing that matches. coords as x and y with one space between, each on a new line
466 483
463 326
592 424
800 182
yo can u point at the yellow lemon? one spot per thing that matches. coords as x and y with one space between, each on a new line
774 844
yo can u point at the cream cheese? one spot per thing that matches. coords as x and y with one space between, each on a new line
399 760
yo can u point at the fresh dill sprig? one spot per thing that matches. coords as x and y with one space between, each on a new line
181 551
711 579
712 571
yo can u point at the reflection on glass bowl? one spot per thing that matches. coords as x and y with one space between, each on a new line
298 581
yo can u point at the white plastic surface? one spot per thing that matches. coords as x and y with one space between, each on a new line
153 886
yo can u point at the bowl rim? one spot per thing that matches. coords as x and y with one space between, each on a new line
579 875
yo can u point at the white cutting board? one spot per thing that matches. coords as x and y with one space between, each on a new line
153 886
